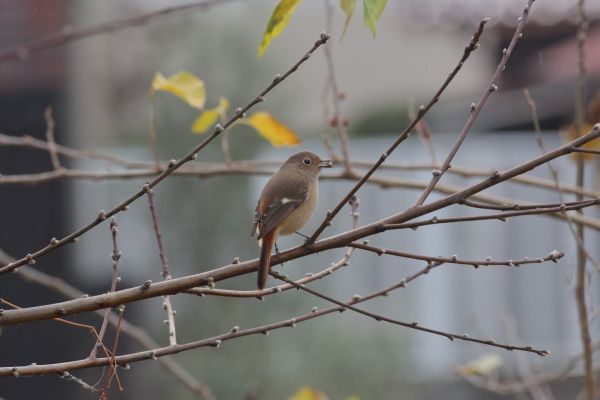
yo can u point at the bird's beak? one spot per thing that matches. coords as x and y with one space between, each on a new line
325 164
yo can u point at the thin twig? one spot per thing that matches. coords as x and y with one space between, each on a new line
474 43
586 341
168 307
67 34
554 256
337 119
412 325
172 166
116 257
152 137
500 216
476 108
50 138
510 387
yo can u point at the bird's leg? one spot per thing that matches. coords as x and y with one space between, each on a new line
278 256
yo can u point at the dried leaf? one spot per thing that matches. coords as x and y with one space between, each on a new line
348 7
184 85
570 133
274 131
208 118
372 11
308 393
277 23
482 366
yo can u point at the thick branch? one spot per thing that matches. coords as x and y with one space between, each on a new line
149 289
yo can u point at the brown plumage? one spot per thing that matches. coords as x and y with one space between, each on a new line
285 204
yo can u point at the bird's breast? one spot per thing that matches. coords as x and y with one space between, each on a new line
300 215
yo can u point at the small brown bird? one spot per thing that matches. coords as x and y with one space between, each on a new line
286 203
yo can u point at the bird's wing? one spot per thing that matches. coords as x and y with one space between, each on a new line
287 198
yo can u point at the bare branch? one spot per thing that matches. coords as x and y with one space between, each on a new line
172 166
214 341
412 325
50 138
136 333
422 111
553 256
150 289
116 257
476 108
165 270
68 34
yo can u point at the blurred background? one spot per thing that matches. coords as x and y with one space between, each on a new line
98 90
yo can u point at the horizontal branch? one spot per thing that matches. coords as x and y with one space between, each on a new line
145 169
125 327
553 256
172 286
499 216
215 341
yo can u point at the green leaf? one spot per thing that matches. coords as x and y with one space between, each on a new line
372 11
348 7
277 23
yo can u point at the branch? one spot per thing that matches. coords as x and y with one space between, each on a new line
149 289
215 341
172 166
422 111
116 257
136 333
412 325
337 118
310 277
50 138
68 34
476 108
553 256
584 328
143 169
165 271
500 216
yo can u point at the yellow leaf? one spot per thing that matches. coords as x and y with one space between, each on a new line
481 366
277 23
208 118
274 131
308 393
184 85
570 133
348 8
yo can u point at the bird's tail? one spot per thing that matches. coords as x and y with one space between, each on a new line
265 258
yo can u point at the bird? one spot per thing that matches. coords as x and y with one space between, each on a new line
286 203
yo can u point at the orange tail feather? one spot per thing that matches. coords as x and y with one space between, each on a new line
264 265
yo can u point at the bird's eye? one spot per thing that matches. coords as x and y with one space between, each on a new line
307 161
